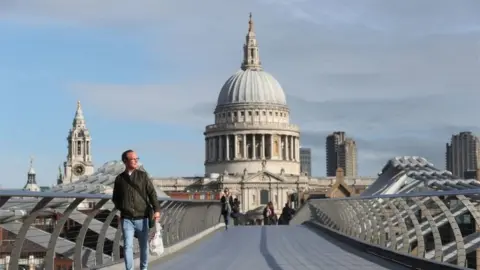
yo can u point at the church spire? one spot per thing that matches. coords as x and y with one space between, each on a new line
79 120
31 184
31 173
251 57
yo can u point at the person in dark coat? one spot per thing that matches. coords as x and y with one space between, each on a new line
269 216
227 204
287 214
235 211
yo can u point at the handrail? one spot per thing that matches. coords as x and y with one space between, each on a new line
83 228
409 195
64 195
402 223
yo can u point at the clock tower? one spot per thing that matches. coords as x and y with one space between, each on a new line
79 158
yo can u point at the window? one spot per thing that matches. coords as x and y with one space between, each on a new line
264 196
249 113
264 113
257 113
79 148
271 113
242 113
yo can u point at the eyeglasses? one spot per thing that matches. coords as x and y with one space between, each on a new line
132 159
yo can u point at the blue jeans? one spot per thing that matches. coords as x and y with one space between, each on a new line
129 227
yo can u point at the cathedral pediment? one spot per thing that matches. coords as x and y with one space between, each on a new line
263 177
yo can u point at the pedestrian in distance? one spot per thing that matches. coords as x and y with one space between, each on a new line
135 197
227 203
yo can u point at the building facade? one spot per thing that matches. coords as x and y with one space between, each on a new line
252 148
79 158
462 153
252 122
347 157
341 152
306 160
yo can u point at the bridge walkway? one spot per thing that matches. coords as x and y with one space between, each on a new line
293 247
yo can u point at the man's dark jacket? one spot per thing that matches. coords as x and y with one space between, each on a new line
128 201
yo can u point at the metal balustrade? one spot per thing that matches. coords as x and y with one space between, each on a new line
434 226
83 228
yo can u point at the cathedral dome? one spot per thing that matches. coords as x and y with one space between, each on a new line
251 86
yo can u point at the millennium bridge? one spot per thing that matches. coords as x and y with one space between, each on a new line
414 216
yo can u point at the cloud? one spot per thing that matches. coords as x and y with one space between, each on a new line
399 77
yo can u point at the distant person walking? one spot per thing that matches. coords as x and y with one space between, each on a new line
286 216
136 199
269 216
227 203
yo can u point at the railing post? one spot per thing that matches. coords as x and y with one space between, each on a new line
50 256
20 239
102 235
78 262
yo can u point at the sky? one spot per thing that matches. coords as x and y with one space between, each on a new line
400 77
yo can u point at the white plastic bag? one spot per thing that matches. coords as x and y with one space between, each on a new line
156 242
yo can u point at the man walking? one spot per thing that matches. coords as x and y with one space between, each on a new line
135 197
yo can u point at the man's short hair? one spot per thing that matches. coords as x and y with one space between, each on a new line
124 155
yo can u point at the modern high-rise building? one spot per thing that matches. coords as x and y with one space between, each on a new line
462 153
306 160
341 152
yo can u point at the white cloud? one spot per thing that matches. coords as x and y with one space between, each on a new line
397 76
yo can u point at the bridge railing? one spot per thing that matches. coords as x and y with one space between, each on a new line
55 230
435 226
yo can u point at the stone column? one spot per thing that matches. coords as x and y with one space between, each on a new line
235 145
209 143
271 146
212 149
254 147
227 147
292 145
220 148
262 149
287 150
244 146
206 149
297 148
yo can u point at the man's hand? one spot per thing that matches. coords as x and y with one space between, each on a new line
156 216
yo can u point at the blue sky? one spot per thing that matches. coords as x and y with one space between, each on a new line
399 77
39 65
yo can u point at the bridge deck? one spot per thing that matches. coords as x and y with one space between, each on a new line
272 247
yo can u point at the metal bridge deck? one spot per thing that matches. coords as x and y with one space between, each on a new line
271 247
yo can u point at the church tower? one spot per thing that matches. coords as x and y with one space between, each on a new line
79 158
31 179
